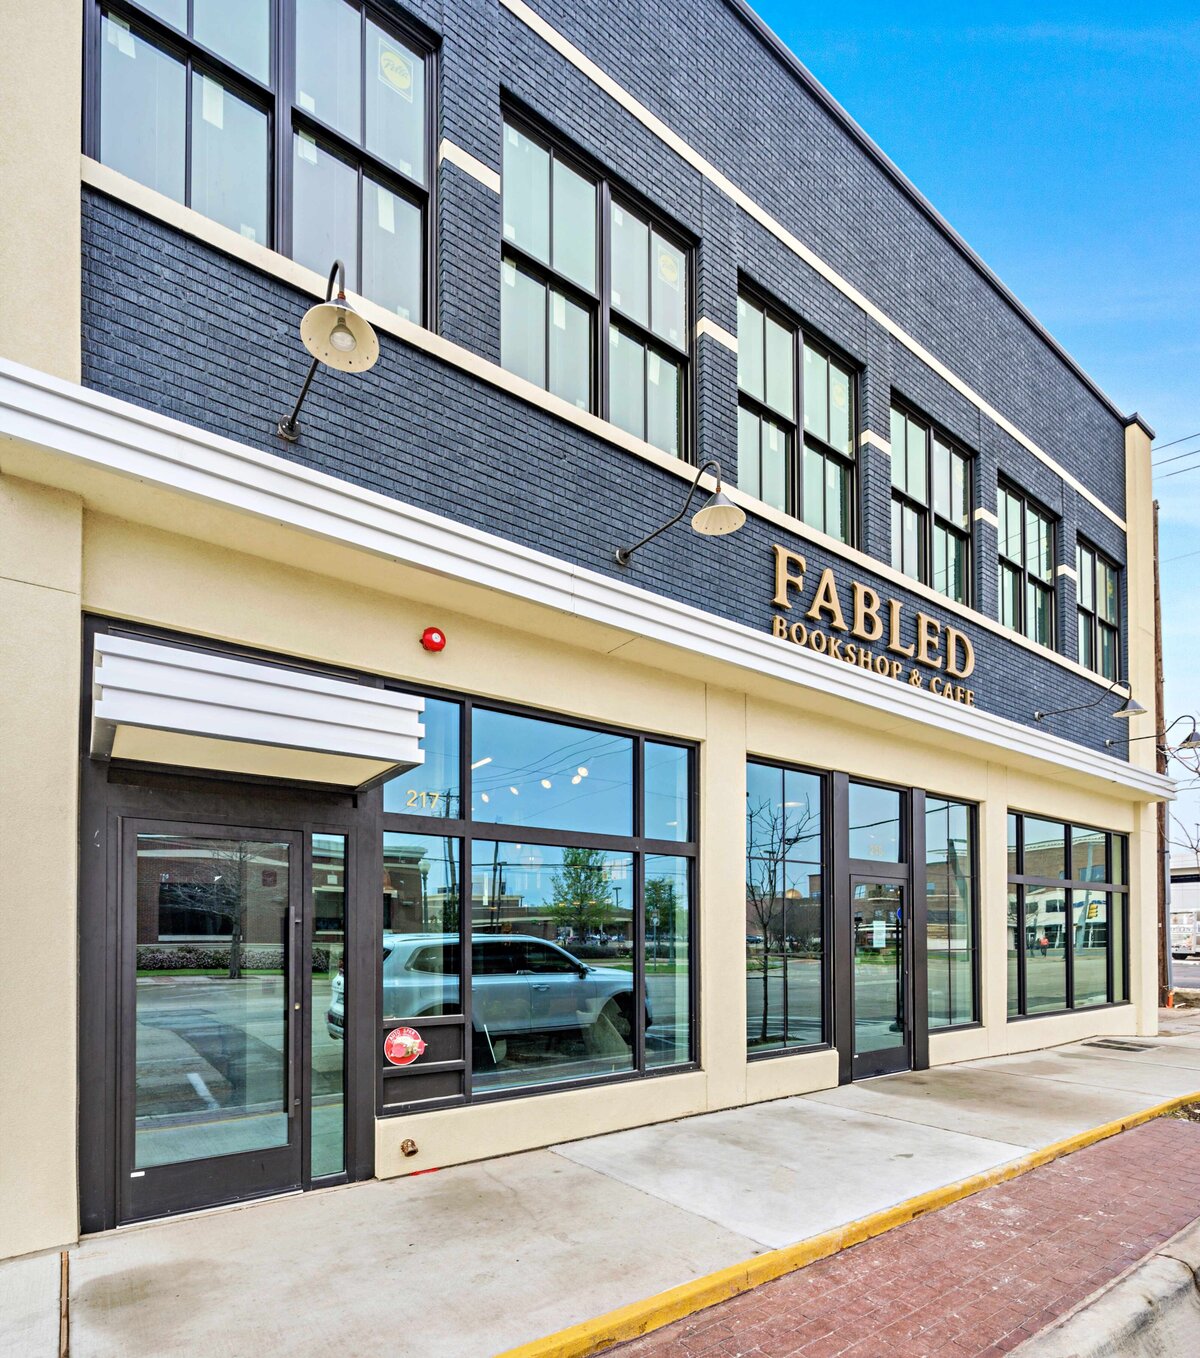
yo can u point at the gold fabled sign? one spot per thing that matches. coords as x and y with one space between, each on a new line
939 657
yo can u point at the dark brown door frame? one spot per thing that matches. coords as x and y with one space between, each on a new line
911 875
113 793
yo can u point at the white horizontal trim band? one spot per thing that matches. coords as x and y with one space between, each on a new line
706 327
232 243
868 437
986 516
633 106
466 162
1066 570
104 433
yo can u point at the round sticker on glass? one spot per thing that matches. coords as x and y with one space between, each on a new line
402 1046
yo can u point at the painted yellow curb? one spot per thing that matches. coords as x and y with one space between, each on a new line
641 1317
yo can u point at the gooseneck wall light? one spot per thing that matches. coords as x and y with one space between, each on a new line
1190 742
336 335
714 519
1129 708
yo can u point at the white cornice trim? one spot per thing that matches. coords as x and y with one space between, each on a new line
466 162
199 227
706 327
566 49
986 516
100 432
868 437
1068 571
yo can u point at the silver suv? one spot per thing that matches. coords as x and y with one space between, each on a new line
520 984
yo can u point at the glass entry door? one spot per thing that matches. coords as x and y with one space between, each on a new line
212 926
882 1007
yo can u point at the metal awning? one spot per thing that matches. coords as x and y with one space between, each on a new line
193 708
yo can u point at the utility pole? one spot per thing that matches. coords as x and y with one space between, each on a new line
1160 756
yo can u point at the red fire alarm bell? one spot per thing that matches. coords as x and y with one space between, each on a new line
433 639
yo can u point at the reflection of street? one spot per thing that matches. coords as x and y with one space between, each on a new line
211 1066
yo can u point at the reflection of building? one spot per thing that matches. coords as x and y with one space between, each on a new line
202 895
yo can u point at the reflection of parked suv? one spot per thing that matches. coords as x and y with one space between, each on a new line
520 985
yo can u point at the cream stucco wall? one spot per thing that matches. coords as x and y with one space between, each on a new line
40 546
40 96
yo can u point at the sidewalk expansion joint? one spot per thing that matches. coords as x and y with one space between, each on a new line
676 1303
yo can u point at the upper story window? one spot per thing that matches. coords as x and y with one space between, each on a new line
931 506
562 290
1026 545
809 474
1099 611
324 157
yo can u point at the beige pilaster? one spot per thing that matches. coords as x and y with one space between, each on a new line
40 547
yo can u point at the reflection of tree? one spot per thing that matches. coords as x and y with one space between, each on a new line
582 892
218 885
772 837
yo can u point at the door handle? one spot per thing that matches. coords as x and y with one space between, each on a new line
541 987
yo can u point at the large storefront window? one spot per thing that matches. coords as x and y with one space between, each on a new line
1067 905
950 903
784 909
537 910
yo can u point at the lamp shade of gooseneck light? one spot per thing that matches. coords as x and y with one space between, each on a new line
336 336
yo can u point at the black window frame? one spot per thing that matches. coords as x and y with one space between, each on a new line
277 98
930 520
468 831
1026 577
799 439
1115 891
611 191
1090 621
783 767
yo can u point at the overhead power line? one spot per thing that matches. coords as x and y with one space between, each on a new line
1176 456
1173 442
1181 471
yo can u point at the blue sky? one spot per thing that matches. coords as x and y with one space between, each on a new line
1063 142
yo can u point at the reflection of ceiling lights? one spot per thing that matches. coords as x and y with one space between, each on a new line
479 763
576 779
581 771
514 791
486 798
545 782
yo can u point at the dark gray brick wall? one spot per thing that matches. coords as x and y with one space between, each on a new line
223 354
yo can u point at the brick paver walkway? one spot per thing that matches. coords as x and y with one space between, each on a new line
974 1279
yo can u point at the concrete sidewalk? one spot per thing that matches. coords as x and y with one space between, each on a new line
470 1261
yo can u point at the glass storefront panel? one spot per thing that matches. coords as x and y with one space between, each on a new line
875 827
327 1127
950 931
432 788
1118 927
532 772
1090 943
1014 950
667 784
667 908
211 997
1045 848
421 926
784 909
1089 855
553 979
1045 945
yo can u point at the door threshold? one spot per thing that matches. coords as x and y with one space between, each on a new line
220 1207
